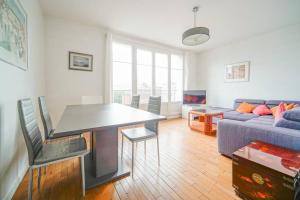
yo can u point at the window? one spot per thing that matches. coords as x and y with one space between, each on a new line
144 74
161 76
122 73
176 78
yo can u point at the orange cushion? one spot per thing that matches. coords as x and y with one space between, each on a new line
245 108
289 106
273 110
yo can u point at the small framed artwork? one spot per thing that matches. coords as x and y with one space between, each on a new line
80 61
238 72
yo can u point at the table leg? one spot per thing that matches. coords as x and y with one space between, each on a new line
105 165
207 124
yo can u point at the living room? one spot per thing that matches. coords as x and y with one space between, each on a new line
149 99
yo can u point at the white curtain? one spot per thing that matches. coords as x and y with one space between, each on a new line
108 69
186 70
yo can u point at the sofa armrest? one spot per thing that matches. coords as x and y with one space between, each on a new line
233 135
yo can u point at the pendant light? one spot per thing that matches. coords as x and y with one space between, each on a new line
197 35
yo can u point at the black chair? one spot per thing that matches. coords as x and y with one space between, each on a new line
41 154
135 101
149 131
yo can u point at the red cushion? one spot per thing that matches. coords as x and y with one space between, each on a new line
262 110
279 111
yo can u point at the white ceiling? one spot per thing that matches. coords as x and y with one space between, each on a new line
164 21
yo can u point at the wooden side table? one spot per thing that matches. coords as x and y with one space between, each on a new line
204 123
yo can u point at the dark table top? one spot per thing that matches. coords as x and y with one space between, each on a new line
278 158
79 118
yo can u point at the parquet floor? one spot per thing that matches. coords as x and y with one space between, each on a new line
191 168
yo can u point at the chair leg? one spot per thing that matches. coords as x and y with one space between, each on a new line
45 170
82 175
132 158
158 150
39 177
30 183
122 147
145 148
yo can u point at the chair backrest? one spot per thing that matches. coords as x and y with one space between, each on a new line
135 101
46 119
30 129
153 107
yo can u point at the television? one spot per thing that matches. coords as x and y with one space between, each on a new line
194 97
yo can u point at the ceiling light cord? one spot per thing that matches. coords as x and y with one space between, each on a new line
195 10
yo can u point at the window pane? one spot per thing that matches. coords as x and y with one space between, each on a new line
176 77
121 52
161 76
144 74
122 73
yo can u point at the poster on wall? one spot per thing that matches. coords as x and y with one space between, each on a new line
13 33
237 72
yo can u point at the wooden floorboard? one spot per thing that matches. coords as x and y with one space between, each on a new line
190 168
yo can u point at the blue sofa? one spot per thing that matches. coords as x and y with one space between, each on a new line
237 130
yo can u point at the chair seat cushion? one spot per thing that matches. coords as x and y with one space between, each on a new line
135 134
59 150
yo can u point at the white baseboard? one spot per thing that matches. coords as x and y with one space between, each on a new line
174 116
15 185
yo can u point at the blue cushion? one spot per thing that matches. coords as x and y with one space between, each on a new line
284 123
293 114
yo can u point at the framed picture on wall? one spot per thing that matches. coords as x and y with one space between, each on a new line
13 34
238 72
80 61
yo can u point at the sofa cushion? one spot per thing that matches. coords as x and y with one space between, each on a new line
233 135
273 103
234 115
293 114
245 108
287 124
255 102
262 110
262 120
279 111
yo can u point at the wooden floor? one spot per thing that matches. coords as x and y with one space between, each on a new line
191 168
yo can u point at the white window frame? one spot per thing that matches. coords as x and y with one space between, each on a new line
153 49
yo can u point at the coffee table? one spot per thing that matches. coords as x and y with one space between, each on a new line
205 123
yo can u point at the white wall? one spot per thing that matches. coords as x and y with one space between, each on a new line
64 86
191 79
14 85
274 68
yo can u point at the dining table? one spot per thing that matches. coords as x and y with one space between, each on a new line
103 163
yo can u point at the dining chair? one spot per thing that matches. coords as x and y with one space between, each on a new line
46 119
149 131
135 101
47 122
42 154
